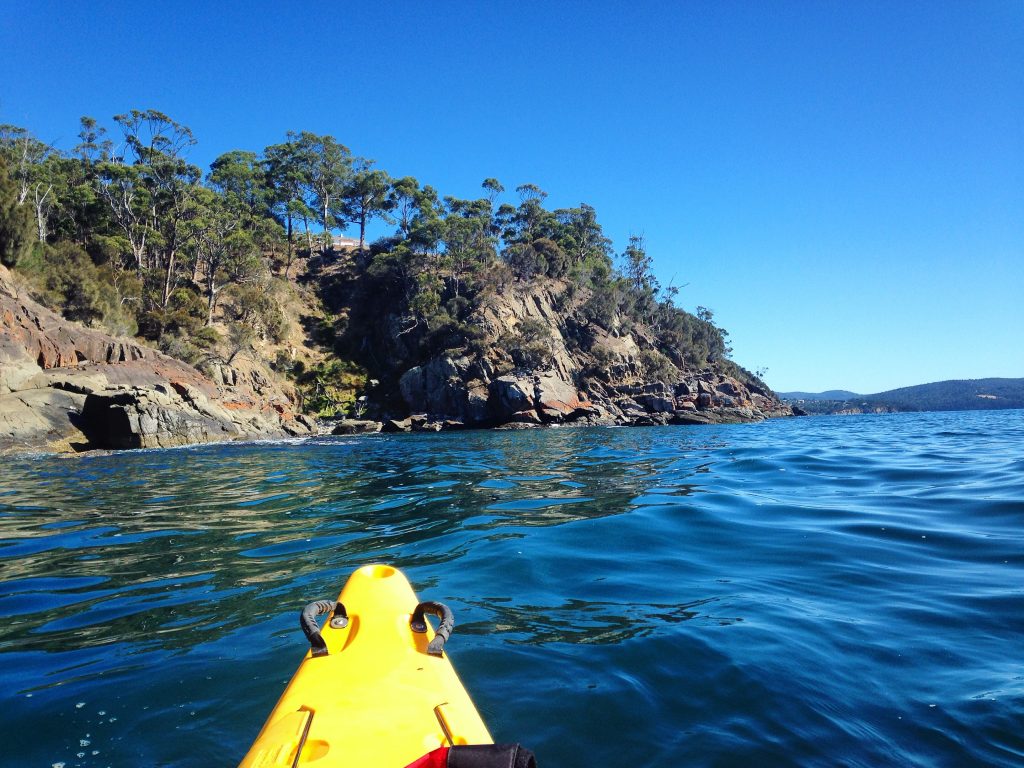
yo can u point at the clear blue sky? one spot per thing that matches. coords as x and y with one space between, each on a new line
841 182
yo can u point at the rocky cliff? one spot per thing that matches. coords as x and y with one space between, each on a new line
535 360
582 374
66 387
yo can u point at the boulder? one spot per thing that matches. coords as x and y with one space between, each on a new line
656 403
555 394
477 410
691 417
551 415
140 417
356 427
40 418
525 417
517 425
510 394
729 386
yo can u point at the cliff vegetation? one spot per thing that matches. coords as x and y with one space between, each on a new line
469 312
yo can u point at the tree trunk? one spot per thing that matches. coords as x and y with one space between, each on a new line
288 263
40 206
167 279
209 303
327 232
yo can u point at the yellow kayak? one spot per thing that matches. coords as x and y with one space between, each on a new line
377 689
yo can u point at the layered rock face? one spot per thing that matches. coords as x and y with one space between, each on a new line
65 387
449 392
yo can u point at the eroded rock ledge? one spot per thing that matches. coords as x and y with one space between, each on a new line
64 387
450 394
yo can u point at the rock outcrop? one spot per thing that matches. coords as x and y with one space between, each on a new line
479 391
63 387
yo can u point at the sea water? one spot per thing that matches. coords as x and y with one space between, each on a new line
814 592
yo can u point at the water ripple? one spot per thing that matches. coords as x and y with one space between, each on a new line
805 592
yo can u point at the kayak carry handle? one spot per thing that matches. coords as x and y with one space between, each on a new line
307 620
418 623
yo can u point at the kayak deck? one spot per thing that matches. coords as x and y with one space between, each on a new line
377 697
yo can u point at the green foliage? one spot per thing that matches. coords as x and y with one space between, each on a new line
605 305
525 261
637 264
182 347
529 345
258 308
242 181
16 223
366 196
206 338
657 367
330 388
136 239
183 316
65 279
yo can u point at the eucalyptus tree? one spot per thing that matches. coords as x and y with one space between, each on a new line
93 147
225 252
493 188
21 151
325 169
426 227
83 215
643 284
404 200
467 237
36 169
367 196
581 236
122 188
284 173
241 178
149 186
529 220
637 264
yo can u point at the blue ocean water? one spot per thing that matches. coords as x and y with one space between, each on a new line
814 592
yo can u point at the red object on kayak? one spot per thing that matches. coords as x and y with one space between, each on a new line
477 756
436 759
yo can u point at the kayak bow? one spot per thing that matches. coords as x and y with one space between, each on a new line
376 687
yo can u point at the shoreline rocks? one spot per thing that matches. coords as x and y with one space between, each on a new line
64 387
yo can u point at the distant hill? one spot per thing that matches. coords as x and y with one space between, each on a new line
953 395
956 395
832 394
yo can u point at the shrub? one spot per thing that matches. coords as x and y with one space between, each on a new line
529 345
657 367
257 307
64 278
17 226
330 388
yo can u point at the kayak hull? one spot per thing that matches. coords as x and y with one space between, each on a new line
377 697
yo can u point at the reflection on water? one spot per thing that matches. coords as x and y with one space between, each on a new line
802 592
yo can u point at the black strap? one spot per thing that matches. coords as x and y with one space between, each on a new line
307 620
491 756
418 623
